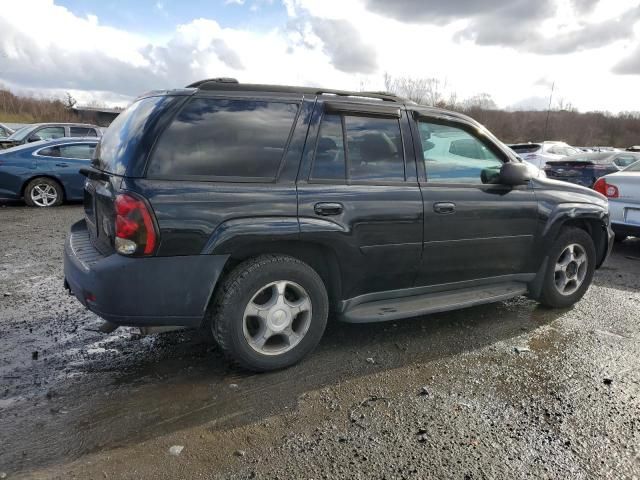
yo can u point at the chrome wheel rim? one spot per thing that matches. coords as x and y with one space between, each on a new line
570 269
44 195
277 318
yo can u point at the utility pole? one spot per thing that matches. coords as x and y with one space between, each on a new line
546 123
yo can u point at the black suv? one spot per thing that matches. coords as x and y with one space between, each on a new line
255 210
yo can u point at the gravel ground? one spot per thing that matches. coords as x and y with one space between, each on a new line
508 390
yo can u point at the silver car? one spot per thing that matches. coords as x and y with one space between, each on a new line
623 191
5 131
539 154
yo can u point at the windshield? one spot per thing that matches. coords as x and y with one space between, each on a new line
21 133
526 148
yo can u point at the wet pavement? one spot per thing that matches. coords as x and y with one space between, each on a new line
496 391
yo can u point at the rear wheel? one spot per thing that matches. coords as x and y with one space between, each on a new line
269 312
43 192
570 269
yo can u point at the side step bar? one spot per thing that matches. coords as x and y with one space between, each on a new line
413 306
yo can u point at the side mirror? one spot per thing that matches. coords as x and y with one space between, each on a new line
34 138
512 173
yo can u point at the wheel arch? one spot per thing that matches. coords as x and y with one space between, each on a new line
593 219
322 258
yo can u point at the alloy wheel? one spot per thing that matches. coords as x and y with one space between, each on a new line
277 317
571 269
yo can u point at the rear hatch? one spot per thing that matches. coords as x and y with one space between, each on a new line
121 153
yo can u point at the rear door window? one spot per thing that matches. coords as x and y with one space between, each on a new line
80 151
221 139
372 152
82 132
374 149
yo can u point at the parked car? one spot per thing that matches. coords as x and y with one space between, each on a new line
585 168
255 210
5 131
48 131
47 172
539 154
623 191
635 148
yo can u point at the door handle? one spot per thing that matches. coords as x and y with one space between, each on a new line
326 209
444 208
62 164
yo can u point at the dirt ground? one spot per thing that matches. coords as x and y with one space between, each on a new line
508 390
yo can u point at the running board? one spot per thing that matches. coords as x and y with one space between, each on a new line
396 308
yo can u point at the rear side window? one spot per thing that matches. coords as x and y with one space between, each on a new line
225 139
81 151
372 151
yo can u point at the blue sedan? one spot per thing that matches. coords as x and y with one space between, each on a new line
45 173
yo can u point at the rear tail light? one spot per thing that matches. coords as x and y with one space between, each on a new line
135 228
606 189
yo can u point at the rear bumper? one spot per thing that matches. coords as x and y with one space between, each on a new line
153 291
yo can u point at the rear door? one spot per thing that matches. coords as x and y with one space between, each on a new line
472 230
358 195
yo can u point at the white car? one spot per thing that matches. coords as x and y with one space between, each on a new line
623 191
539 154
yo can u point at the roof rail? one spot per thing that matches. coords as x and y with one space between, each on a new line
215 80
232 84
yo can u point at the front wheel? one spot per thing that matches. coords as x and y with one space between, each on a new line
570 269
269 312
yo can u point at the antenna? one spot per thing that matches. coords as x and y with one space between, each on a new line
546 123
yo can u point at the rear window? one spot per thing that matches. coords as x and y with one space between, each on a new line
82 132
121 139
222 139
528 148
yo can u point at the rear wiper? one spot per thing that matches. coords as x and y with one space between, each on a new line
94 173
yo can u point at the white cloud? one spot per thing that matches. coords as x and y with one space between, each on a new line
321 45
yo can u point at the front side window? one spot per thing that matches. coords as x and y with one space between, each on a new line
48 133
372 150
225 138
625 160
453 155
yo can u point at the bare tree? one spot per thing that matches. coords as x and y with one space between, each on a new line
426 91
481 101
70 102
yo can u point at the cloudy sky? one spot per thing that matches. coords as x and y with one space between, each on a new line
113 50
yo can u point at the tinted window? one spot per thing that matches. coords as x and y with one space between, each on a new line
527 148
452 155
120 141
82 132
48 133
225 138
329 161
81 151
50 152
374 148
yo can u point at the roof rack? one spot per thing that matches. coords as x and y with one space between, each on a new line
214 80
233 84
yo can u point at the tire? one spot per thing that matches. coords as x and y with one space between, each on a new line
257 300
43 192
571 245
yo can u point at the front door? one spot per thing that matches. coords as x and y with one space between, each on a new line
473 230
360 197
